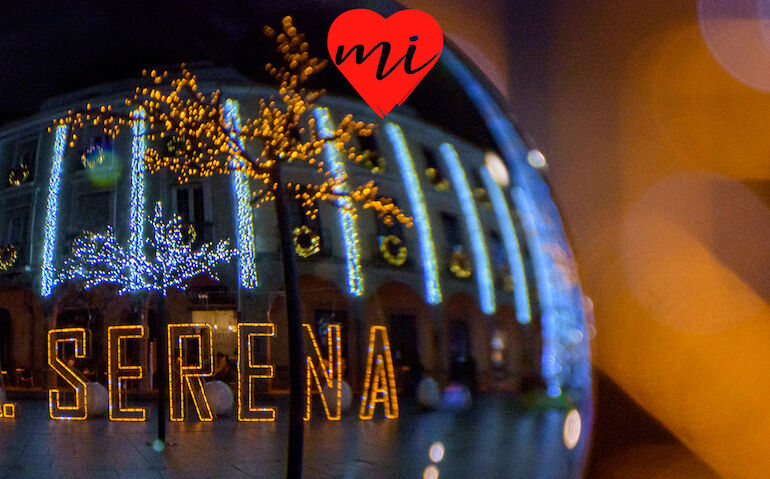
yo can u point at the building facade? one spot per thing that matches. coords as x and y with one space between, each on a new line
461 292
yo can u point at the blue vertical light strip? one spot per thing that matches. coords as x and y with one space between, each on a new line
550 364
243 215
473 226
511 245
136 228
52 212
419 211
344 207
564 362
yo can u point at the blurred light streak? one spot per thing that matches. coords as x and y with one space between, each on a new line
511 245
344 207
473 226
419 211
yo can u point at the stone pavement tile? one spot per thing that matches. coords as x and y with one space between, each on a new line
490 440
227 472
139 474
263 468
103 475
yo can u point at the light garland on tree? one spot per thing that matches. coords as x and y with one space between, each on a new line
8 257
98 258
306 241
201 139
393 249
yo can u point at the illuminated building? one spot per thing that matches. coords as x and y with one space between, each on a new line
355 271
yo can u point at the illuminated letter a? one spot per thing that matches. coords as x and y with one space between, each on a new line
380 384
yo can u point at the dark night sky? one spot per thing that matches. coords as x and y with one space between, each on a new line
54 48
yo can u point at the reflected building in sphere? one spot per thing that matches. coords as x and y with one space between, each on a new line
482 290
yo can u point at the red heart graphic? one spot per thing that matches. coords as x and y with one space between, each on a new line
384 58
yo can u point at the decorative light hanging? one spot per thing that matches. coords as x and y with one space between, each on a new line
98 258
460 265
18 175
306 241
393 249
8 257
92 157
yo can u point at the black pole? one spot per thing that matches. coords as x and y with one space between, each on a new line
160 359
294 317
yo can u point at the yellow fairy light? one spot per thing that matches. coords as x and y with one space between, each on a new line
8 257
189 377
306 241
80 337
8 411
380 384
331 370
460 265
393 249
118 372
248 371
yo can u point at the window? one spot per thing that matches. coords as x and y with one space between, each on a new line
369 143
406 356
17 234
432 168
22 169
224 325
17 227
91 151
92 367
294 134
190 208
475 178
452 231
496 251
93 212
372 160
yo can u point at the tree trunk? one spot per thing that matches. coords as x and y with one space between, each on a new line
294 317
160 359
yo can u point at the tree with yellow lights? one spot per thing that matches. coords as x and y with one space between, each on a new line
196 135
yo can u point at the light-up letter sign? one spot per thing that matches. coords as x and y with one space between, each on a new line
331 371
380 379
248 371
190 358
56 339
119 372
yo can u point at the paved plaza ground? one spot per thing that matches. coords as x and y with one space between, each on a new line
495 438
